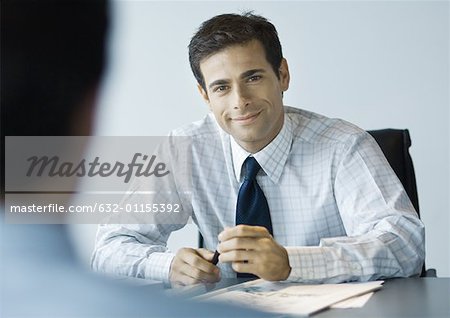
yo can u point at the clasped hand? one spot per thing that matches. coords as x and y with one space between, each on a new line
249 249
192 266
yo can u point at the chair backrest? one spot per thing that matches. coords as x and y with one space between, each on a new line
395 145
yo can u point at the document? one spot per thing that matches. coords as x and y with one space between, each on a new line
289 298
354 302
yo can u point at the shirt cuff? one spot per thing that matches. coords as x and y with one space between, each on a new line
158 266
307 263
319 264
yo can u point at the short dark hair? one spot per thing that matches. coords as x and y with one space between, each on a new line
52 54
225 30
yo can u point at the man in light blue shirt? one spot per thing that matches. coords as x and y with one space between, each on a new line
338 211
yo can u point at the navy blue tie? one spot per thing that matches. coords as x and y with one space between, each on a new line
252 207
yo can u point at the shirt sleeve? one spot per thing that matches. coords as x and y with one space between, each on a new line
140 249
138 246
133 250
385 237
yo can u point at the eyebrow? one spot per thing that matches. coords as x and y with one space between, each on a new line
243 75
252 72
218 82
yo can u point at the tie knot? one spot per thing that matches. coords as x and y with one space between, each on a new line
251 168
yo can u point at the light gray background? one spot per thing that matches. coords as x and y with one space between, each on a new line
377 64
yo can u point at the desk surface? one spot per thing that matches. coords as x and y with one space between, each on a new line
411 297
404 297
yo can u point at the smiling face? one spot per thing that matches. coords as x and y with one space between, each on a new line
244 93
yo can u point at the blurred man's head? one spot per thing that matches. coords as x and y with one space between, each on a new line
52 58
52 55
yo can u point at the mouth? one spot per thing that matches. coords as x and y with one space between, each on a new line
246 119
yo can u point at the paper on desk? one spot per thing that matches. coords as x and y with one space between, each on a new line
289 298
354 302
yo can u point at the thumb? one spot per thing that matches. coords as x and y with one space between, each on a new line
206 254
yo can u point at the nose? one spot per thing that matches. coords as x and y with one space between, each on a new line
241 97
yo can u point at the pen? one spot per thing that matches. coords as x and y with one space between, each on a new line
215 258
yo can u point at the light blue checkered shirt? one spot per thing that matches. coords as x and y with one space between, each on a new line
335 203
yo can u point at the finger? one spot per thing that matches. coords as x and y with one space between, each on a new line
195 260
201 263
199 275
180 279
239 243
192 257
185 252
205 254
242 267
177 285
238 256
243 231
186 280
191 264
182 265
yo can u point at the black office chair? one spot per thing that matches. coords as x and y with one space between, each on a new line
395 145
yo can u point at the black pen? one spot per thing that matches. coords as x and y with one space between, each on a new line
215 258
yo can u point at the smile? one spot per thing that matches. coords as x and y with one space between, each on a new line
246 119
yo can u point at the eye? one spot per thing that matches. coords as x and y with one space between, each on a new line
254 78
220 88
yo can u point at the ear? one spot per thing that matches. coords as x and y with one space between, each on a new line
284 75
203 93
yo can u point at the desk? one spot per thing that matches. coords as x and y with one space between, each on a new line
408 297
403 297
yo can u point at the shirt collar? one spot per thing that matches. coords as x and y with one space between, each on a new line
271 158
239 155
